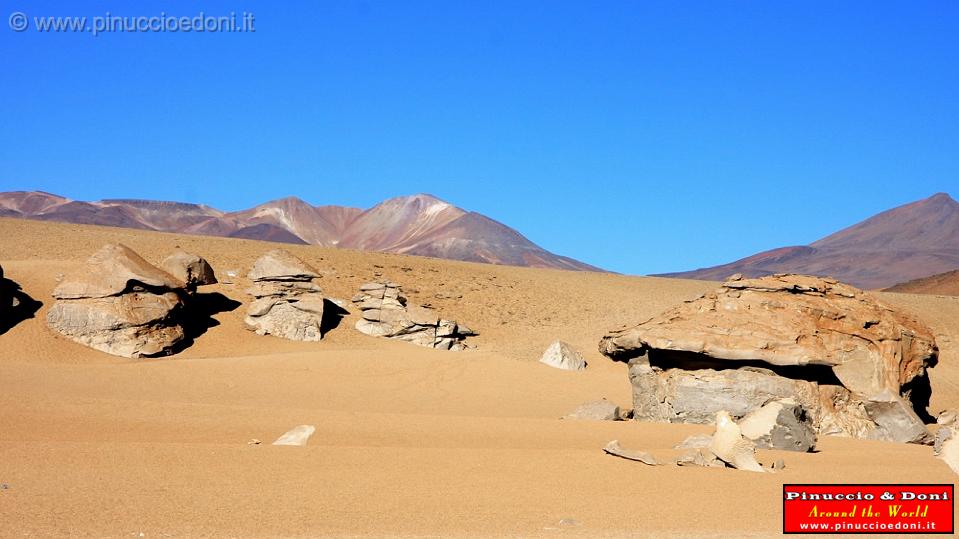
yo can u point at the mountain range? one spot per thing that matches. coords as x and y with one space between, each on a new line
416 225
909 242
904 248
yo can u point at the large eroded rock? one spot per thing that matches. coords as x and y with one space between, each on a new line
120 304
287 303
851 362
386 313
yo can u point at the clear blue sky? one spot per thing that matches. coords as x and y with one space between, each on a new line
642 137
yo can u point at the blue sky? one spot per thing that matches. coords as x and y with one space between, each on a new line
642 137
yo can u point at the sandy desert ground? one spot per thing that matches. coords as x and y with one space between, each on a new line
410 442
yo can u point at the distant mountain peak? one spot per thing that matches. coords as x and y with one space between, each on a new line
420 224
942 198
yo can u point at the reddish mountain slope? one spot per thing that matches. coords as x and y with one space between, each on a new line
477 238
298 218
419 225
905 243
943 284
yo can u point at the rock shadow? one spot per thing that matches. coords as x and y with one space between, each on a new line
333 314
15 305
690 361
198 312
919 393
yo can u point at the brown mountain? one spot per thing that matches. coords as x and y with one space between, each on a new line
942 284
417 225
905 243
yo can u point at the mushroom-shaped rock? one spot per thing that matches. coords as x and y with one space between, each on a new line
281 265
831 347
287 303
730 446
120 304
189 268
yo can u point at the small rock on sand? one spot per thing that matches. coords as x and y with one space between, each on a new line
296 436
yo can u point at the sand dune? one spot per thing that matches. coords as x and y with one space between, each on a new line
409 441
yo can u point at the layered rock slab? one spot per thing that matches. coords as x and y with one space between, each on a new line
287 303
387 313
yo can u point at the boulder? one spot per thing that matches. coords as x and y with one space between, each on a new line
120 304
561 355
947 418
730 446
601 410
852 364
287 303
780 424
189 268
386 313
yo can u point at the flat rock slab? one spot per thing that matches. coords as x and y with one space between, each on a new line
601 410
696 441
296 436
613 448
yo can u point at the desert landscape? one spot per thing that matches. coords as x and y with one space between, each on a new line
409 441
459 270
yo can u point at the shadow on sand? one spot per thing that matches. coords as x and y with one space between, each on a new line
332 316
15 305
199 312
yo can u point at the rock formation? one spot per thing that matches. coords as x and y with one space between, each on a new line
601 410
189 268
386 313
855 366
120 304
563 356
287 303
